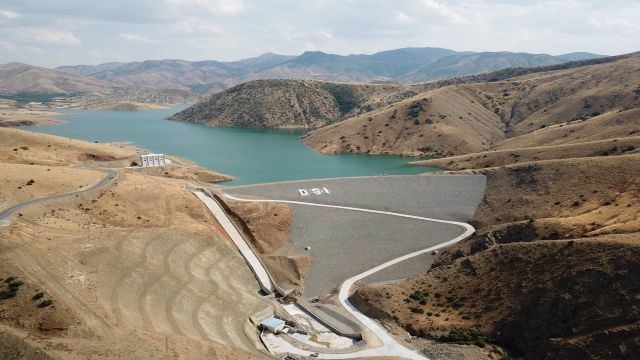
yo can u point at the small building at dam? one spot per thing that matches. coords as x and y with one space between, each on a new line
149 160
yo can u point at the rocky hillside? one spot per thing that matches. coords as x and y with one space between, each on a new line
407 65
447 121
291 103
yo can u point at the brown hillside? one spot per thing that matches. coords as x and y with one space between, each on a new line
494 158
128 273
569 299
549 273
615 124
578 100
17 77
291 103
441 122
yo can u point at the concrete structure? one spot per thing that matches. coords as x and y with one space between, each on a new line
273 324
149 160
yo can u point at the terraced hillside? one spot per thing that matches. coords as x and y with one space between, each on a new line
118 272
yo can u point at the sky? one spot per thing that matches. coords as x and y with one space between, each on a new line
70 32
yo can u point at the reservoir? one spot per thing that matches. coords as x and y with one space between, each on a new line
249 155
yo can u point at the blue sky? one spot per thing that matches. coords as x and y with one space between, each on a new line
64 32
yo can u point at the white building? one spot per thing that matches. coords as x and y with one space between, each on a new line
148 160
273 324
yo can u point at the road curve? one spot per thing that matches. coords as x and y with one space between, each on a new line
6 213
390 346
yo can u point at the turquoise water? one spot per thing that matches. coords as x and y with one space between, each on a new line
249 155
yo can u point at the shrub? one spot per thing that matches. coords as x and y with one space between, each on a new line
415 109
45 303
7 294
459 336
31 182
38 296
16 284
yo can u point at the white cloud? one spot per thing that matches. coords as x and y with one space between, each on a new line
215 6
136 38
324 35
193 25
6 14
444 11
49 36
7 46
403 18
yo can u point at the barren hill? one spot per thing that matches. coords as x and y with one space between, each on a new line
290 103
603 94
17 77
443 121
117 272
548 273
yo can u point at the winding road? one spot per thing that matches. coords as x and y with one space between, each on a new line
5 215
389 347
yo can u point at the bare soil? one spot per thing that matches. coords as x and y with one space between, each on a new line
138 269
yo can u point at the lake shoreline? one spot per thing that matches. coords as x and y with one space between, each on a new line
250 155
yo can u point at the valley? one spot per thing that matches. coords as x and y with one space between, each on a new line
417 203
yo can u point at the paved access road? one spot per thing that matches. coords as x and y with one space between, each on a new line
5 215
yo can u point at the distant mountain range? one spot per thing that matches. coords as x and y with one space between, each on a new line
17 77
23 79
405 65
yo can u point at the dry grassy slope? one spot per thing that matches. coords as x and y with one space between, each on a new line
11 116
52 150
132 274
291 103
596 195
494 158
24 147
531 108
614 124
21 182
542 300
440 122
520 280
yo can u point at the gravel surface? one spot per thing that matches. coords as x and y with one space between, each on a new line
344 243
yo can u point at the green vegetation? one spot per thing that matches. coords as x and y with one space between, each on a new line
345 97
13 285
416 109
466 337
23 98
